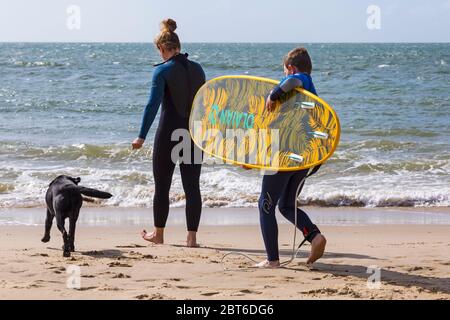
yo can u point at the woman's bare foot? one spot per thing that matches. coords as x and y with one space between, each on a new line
266 264
156 236
317 248
191 241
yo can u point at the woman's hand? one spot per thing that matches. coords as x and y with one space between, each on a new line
137 143
270 105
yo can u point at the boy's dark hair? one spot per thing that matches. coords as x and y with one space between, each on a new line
299 58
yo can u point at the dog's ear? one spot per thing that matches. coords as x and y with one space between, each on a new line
77 180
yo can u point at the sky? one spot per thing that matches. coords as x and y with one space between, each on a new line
226 20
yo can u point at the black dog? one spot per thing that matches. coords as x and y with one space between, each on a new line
64 200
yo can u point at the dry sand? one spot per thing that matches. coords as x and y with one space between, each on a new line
115 263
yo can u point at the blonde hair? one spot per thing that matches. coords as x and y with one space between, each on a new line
167 38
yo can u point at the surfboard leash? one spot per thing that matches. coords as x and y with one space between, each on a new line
294 249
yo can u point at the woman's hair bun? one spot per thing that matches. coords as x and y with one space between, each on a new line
168 25
167 38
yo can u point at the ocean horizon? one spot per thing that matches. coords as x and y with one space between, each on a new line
220 42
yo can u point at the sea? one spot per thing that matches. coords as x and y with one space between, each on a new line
74 109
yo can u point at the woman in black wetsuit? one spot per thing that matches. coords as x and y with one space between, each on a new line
174 84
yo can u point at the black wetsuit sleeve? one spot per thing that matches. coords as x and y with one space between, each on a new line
154 101
285 86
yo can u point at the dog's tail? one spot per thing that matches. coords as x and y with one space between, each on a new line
94 193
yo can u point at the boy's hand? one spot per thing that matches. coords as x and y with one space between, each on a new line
137 143
245 167
270 105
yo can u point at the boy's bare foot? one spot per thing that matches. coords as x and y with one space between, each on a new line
266 264
317 249
191 241
154 237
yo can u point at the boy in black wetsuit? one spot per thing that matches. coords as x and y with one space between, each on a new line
283 187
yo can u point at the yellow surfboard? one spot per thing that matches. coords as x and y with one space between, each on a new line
229 121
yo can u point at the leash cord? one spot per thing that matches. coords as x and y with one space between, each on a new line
294 250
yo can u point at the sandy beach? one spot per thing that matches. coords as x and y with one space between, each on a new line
115 263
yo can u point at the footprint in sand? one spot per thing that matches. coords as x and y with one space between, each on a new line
133 255
47 281
417 268
59 270
85 288
119 265
106 288
326 291
156 296
248 291
39 255
209 294
17 271
348 291
186 261
237 294
165 285
121 276
244 292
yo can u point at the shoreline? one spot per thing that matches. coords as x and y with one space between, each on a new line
330 216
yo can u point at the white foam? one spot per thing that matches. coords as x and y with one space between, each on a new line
132 185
